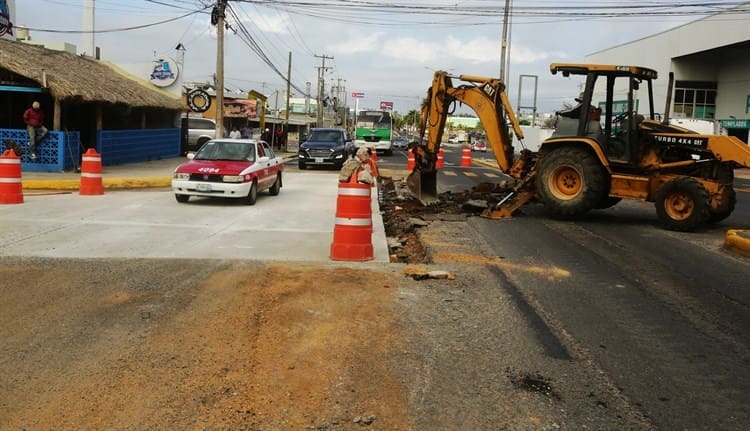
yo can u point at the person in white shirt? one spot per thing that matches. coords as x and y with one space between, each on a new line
235 134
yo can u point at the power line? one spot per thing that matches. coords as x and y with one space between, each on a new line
115 30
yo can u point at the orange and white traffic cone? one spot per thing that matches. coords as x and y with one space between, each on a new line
439 164
91 173
352 233
466 157
410 161
11 189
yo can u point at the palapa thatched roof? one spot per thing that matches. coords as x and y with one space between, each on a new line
75 78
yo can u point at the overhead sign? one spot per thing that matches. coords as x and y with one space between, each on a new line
7 14
240 109
164 73
358 95
386 106
735 124
198 100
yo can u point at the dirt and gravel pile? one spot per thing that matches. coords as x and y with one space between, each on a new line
98 345
404 215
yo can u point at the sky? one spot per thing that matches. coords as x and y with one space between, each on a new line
386 49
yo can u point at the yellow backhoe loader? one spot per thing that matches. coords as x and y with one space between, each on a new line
596 156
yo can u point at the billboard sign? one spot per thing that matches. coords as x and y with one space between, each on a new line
358 95
386 106
7 16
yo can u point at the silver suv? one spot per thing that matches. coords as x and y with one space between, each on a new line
199 131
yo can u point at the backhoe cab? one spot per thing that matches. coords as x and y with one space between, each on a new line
598 154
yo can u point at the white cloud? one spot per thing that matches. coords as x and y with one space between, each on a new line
407 48
368 43
270 24
475 51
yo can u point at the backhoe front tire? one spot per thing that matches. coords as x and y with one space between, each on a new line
570 182
682 204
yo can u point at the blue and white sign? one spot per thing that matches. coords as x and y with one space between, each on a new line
164 73
7 16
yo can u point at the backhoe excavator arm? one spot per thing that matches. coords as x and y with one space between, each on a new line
486 96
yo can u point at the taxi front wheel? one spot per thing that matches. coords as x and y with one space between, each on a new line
252 195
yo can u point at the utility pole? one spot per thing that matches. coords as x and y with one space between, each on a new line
504 44
346 107
288 106
321 87
217 17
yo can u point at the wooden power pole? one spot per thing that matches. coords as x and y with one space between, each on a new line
218 17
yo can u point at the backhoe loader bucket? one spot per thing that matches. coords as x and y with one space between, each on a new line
423 186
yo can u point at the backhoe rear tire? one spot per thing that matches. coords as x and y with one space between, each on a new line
682 204
570 181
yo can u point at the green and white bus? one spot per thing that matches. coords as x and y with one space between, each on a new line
374 129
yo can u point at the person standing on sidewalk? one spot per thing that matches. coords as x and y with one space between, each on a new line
34 119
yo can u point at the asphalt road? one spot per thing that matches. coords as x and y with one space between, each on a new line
664 315
606 323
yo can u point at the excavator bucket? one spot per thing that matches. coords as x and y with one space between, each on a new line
423 186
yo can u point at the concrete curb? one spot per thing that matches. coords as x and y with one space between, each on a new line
108 183
738 241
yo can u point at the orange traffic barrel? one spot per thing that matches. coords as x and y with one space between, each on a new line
352 232
410 162
11 189
440 163
91 173
466 157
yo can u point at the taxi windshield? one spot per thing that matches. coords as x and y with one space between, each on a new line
226 150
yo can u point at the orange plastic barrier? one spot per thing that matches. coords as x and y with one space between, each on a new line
91 173
440 163
352 233
466 157
374 164
410 162
11 189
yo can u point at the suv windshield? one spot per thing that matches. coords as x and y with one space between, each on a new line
226 150
325 136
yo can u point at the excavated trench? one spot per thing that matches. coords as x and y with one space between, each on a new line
404 215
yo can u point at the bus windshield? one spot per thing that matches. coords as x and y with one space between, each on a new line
374 119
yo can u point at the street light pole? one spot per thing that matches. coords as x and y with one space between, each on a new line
288 106
504 44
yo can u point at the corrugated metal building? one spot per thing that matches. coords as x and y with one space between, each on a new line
710 59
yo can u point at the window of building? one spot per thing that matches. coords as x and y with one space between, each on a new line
695 99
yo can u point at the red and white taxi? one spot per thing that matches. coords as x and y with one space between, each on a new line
229 168
479 146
